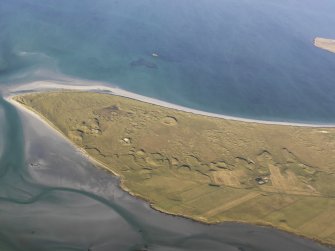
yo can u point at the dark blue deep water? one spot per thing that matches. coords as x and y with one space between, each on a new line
248 58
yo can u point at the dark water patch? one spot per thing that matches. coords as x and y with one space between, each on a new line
143 62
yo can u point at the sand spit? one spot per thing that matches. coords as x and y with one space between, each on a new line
326 44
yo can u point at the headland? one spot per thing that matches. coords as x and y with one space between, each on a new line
201 167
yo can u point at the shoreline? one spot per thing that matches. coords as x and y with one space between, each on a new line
51 126
47 86
101 165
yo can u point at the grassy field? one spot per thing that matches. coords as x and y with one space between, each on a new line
205 168
326 44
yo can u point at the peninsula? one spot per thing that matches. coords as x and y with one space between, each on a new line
208 169
326 44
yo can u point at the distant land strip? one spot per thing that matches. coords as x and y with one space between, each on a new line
326 44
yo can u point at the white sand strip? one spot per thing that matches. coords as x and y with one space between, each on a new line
41 86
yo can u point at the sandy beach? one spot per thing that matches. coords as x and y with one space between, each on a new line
43 86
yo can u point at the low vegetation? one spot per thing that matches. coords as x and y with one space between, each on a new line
208 169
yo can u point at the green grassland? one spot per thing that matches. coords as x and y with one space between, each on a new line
204 168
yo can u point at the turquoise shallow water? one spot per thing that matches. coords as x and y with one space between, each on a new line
244 58
247 58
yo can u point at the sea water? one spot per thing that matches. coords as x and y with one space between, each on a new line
248 58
